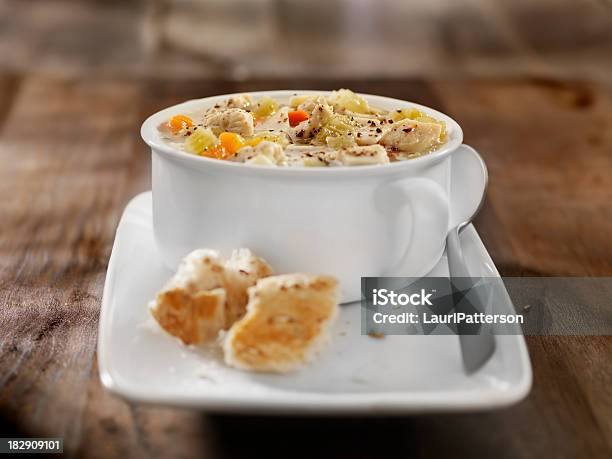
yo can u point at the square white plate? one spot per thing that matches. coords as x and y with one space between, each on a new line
355 374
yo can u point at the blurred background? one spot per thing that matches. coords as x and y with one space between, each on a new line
244 39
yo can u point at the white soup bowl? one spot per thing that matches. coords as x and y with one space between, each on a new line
382 220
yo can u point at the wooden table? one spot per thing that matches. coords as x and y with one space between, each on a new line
71 158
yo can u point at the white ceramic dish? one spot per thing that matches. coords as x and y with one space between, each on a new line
388 220
355 375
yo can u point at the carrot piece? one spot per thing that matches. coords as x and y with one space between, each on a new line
297 116
179 122
231 142
215 152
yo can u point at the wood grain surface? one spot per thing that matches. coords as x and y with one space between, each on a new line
71 158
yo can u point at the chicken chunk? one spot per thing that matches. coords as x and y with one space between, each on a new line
243 101
272 150
409 136
234 120
368 135
310 102
276 123
265 153
260 160
363 156
309 156
320 114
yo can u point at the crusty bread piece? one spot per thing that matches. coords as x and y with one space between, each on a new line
201 269
194 318
287 321
206 294
242 270
192 304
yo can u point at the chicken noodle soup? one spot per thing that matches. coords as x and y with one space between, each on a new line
340 129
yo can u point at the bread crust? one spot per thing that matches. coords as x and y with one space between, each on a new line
287 321
193 317
242 270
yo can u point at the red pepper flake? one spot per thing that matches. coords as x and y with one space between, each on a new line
408 129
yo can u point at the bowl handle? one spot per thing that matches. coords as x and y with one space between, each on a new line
429 207
468 183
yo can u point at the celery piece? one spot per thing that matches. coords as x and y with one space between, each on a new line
429 119
335 126
341 141
199 140
298 100
417 115
265 107
271 137
406 113
348 100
